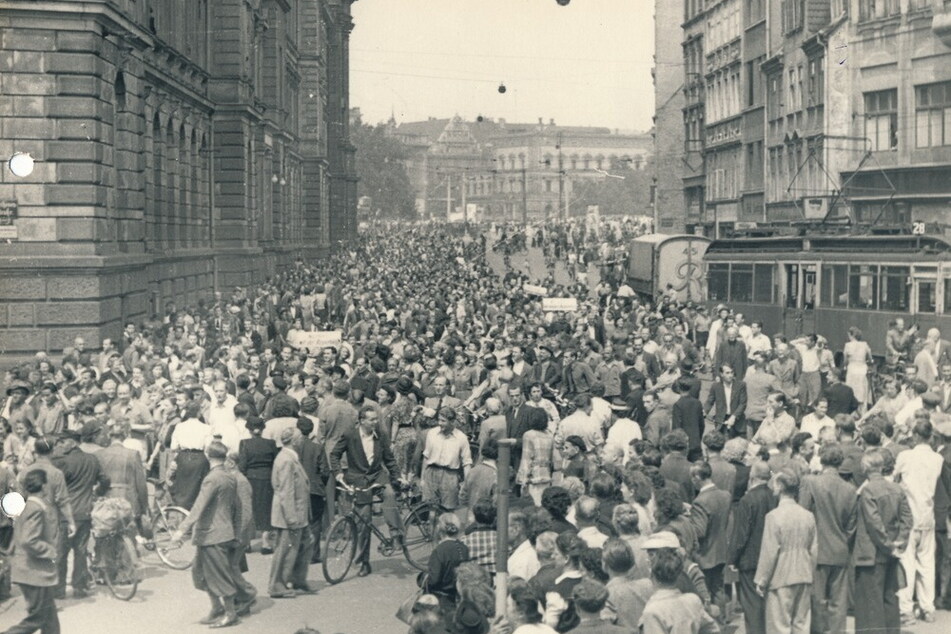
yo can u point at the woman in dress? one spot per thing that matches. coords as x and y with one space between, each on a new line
255 460
857 356
539 456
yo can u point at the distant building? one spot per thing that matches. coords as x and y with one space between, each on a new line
180 147
814 111
510 170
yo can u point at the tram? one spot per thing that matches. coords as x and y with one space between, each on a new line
656 260
825 284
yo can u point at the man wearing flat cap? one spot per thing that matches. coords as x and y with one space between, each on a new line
84 481
17 409
290 516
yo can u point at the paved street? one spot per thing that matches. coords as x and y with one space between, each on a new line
167 602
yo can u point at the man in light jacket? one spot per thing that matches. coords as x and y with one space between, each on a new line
290 515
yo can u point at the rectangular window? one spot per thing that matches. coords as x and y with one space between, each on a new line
874 9
835 285
947 297
933 114
896 288
927 296
881 119
719 282
741 283
863 286
763 283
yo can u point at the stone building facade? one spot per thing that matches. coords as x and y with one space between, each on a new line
181 146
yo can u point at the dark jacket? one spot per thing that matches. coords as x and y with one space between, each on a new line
716 401
256 457
315 465
834 503
884 519
676 470
841 400
748 522
732 354
363 470
83 474
713 548
687 414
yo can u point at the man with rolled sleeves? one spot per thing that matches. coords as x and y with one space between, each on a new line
33 560
834 503
881 536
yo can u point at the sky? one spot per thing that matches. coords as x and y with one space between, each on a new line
587 63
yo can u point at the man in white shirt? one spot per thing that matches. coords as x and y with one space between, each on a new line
814 423
758 342
746 332
523 562
906 414
446 461
810 381
586 518
600 408
581 423
221 409
918 470
623 430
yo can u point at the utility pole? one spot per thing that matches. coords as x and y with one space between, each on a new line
524 198
448 195
502 524
465 182
562 212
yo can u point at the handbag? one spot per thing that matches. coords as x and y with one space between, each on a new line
407 608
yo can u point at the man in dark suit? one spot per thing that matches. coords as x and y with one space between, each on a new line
712 551
215 525
516 421
834 503
33 562
745 543
840 396
370 462
675 467
687 414
884 523
727 402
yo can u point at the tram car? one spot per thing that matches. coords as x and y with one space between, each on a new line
824 284
656 260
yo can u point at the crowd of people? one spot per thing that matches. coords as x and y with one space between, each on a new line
670 467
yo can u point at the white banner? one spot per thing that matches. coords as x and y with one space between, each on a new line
531 289
316 341
560 304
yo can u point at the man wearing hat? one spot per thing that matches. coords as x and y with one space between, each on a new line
84 481
622 430
216 519
290 516
17 409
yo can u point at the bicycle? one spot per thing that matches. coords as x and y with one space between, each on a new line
113 561
164 520
417 543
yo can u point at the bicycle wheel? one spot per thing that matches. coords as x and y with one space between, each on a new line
121 567
175 555
338 553
419 535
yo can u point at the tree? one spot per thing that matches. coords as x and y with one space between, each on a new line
383 178
615 196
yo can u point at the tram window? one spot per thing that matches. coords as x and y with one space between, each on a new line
763 283
896 289
719 282
741 283
863 286
947 297
927 296
835 285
